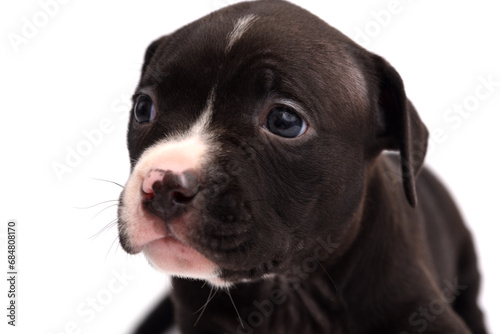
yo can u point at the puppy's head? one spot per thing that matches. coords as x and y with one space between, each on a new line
250 138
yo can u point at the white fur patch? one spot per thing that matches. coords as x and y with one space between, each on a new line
175 153
241 26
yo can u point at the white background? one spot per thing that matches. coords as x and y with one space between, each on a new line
80 69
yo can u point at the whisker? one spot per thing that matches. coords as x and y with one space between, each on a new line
92 206
232 301
97 214
211 295
327 274
107 254
105 228
119 185
118 247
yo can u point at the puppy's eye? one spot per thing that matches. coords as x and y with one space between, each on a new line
285 122
144 109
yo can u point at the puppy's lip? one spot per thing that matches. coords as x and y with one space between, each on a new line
144 246
148 229
172 255
154 229
166 249
166 241
166 235
162 250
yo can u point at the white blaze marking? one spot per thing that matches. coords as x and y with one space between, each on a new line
239 29
176 153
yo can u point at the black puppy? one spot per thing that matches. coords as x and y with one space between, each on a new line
256 142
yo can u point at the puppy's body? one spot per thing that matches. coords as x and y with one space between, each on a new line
422 277
256 144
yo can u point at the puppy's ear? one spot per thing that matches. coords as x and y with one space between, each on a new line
399 126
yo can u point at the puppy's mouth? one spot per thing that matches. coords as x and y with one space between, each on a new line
165 247
169 254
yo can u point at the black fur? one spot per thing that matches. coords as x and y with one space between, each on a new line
321 233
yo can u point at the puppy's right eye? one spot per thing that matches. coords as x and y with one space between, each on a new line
144 109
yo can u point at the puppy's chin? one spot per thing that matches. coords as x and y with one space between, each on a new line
173 257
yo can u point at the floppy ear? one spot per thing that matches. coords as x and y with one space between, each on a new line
399 126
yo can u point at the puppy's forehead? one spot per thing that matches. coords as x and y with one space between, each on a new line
201 57
240 27
246 27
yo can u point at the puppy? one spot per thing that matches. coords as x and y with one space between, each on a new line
259 181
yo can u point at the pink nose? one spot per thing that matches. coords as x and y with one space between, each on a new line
153 176
166 189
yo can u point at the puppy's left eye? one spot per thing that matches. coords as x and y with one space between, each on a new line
144 109
285 122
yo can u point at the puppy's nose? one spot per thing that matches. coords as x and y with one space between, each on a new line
168 193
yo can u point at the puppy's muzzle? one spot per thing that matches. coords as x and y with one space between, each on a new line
168 194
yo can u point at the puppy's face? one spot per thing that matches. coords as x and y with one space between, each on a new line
249 139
